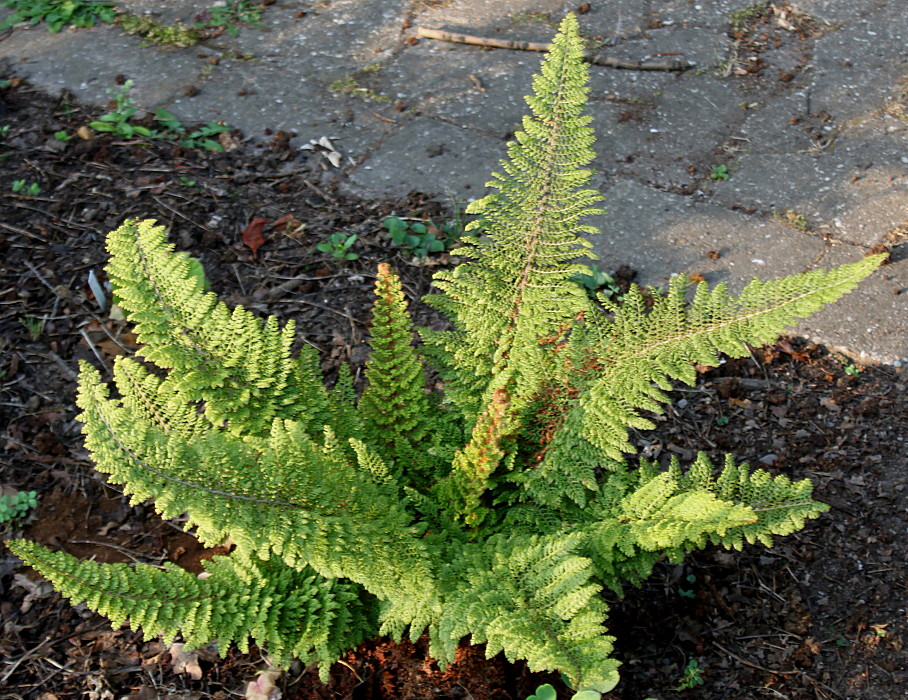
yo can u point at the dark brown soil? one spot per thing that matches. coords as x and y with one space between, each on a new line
821 615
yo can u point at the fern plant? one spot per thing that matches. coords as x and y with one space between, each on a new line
499 511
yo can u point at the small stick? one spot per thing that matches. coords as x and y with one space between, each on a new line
597 59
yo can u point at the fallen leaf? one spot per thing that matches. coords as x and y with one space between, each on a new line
85 133
228 141
185 661
252 234
263 687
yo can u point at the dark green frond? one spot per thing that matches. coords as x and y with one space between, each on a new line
294 613
394 407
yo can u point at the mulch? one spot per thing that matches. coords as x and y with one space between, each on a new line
820 615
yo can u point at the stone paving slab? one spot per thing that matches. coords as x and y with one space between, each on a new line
662 234
821 133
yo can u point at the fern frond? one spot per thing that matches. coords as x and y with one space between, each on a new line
295 613
533 598
516 288
647 349
394 407
284 495
238 366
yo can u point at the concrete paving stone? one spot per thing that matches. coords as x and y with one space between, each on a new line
330 39
661 234
518 19
780 124
842 12
858 187
89 73
856 67
253 96
434 79
871 322
429 156
692 117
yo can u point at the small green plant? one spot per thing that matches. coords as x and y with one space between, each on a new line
4 130
187 181
14 507
598 281
793 220
853 370
543 692
57 14
722 421
118 120
338 246
719 172
155 33
203 137
35 326
25 188
691 676
62 135
228 15
547 692
684 593
349 85
751 13
416 236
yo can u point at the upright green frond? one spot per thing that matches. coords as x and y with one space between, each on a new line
516 289
237 365
294 613
394 406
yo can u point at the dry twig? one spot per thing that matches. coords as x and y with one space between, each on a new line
673 64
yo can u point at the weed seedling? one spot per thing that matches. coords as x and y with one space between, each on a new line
691 677
35 326
27 189
599 281
719 172
17 506
338 246
62 135
4 130
229 15
415 236
117 122
792 220
853 370
690 578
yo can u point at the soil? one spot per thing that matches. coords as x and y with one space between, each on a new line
820 615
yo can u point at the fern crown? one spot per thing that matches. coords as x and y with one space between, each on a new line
499 511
